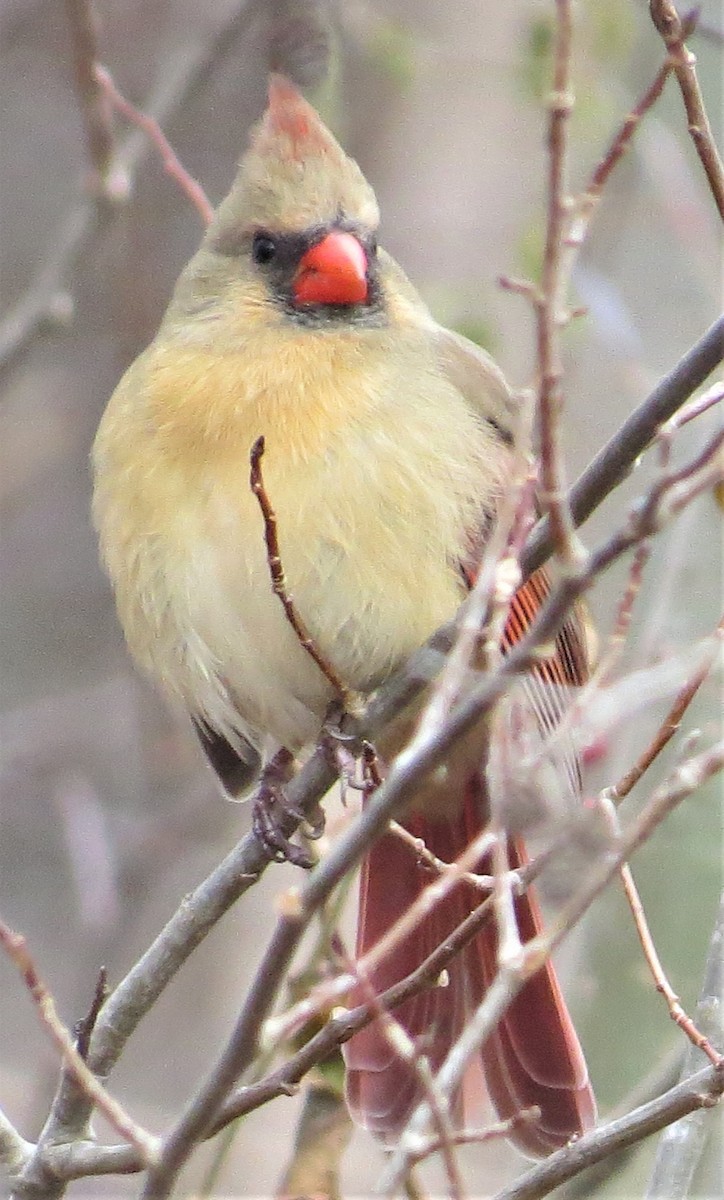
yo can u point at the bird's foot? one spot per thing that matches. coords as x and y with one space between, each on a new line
273 810
345 750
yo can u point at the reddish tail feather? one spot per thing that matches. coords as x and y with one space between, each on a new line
534 1056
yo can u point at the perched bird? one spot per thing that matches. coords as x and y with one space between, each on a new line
389 441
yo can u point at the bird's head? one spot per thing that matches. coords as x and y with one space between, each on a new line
301 220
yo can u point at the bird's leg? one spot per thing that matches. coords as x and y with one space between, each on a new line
345 750
271 807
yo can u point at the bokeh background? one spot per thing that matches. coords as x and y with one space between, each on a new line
108 815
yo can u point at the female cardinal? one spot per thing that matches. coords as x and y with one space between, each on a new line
388 444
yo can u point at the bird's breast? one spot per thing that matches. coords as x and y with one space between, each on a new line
378 474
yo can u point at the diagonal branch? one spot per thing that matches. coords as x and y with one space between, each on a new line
681 1145
16 948
700 1091
673 31
620 454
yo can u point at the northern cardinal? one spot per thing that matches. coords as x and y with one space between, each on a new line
388 444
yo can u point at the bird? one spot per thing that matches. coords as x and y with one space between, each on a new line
389 442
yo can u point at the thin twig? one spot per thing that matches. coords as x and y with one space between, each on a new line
551 308
85 1027
107 183
587 202
620 454
279 583
16 948
404 1047
676 1012
695 408
47 286
682 1144
483 883
669 726
669 24
472 1137
173 166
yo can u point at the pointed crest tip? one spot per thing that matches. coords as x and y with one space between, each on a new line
289 113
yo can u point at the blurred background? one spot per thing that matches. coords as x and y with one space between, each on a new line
108 815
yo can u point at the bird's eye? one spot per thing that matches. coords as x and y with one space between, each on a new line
263 248
373 246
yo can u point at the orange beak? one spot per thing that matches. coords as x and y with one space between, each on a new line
332 272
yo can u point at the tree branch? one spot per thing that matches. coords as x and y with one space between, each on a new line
16 948
619 456
15 1152
106 184
669 24
700 1091
551 305
682 1144
178 83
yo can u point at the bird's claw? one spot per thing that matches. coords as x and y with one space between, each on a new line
270 809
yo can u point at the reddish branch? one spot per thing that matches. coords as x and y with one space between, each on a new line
669 726
278 579
172 164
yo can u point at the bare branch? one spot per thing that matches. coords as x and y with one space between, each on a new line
681 1145
15 1152
47 287
586 203
669 726
669 24
676 1012
150 126
619 456
701 1091
471 1137
551 310
16 948
106 183
279 583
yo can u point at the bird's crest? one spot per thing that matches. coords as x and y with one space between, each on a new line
291 119
295 175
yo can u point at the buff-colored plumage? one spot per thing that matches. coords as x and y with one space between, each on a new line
388 445
376 456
